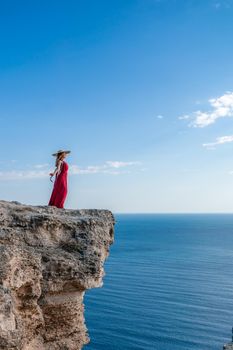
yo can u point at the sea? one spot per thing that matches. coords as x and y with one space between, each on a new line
168 284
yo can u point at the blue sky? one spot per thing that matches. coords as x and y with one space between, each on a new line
140 91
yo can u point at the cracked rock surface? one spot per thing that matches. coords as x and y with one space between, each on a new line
49 257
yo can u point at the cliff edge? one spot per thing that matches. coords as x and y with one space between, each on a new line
49 257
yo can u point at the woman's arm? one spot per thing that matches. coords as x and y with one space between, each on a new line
57 169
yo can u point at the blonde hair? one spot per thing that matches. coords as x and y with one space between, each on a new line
59 157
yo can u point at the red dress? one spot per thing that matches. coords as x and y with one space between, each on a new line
59 193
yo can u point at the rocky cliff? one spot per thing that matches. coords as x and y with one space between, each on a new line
49 257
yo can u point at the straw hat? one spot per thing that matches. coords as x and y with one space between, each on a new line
60 151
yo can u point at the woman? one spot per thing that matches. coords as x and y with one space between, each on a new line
59 193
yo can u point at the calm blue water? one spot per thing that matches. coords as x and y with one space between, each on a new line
168 285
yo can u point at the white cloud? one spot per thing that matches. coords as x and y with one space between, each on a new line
41 166
221 107
117 164
109 167
219 141
23 174
184 117
160 116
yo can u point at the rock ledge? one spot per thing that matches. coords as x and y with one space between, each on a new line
49 257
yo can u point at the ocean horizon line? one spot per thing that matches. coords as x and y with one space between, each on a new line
173 213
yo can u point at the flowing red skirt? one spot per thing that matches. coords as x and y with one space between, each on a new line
59 193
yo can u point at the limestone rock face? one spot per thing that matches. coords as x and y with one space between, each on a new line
49 257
